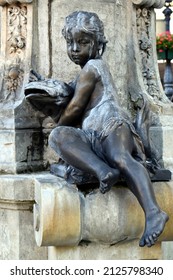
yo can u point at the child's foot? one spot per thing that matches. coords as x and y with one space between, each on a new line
154 227
108 181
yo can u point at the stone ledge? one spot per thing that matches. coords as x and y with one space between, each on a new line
16 218
16 205
17 188
64 216
20 187
93 251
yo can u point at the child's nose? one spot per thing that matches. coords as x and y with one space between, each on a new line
75 47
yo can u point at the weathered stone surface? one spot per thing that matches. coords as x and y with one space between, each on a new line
21 138
167 249
17 232
117 213
93 251
22 151
16 216
161 135
65 229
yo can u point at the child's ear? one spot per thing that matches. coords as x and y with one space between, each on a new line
100 47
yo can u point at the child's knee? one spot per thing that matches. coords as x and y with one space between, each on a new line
57 136
61 137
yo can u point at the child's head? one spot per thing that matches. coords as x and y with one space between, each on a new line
88 23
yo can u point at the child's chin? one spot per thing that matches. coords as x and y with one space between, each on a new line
76 61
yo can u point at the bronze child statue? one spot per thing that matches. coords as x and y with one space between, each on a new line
104 143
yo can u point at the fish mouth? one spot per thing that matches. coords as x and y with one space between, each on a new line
38 94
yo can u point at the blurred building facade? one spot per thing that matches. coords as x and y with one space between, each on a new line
161 27
160 21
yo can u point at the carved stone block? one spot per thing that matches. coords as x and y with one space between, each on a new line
4 2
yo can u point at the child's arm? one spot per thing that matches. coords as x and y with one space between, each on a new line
84 89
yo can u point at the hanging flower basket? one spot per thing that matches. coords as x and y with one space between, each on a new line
164 44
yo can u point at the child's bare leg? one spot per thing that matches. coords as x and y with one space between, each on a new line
73 148
137 178
139 182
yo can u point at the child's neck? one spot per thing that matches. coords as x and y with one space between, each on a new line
96 57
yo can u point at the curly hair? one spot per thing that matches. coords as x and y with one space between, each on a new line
87 22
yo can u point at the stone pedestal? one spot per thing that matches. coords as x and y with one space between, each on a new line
31 38
21 138
95 226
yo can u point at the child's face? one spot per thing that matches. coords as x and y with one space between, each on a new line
81 46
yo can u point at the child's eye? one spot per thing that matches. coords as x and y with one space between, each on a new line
84 42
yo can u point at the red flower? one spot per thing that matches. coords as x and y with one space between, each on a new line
164 41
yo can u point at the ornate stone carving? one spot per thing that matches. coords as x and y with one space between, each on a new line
17 20
149 3
118 2
143 21
4 2
14 44
13 79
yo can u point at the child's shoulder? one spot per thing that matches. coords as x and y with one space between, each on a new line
95 62
94 65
